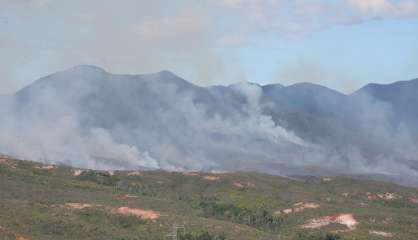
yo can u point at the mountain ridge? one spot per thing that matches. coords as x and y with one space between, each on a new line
161 120
88 69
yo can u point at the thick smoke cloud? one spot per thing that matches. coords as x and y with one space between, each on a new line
59 138
86 117
49 126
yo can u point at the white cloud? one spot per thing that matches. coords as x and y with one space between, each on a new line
232 3
298 17
384 8
174 27
230 40
135 36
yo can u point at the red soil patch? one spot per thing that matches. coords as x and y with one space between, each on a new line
130 196
382 196
327 179
389 196
381 233
305 205
77 172
413 200
78 206
387 220
135 173
250 184
3 230
242 185
7 163
299 207
211 178
287 211
20 237
371 196
8 232
137 212
143 214
47 167
346 219
238 184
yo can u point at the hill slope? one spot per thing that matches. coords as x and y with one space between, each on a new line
57 202
87 117
401 96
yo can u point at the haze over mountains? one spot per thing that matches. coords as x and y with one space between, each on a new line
87 117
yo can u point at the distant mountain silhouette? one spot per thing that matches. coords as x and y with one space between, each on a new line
244 126
401 96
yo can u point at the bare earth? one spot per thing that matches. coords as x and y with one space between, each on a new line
141 213
346 219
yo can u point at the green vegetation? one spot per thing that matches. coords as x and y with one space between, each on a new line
260 218
59 204
201 236
317 236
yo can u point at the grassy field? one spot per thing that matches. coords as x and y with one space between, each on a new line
57 202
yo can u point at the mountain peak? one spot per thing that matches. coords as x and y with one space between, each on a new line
245 83
86 69
306 85
166 72
402 86
313 88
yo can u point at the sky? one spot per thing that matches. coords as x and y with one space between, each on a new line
341 44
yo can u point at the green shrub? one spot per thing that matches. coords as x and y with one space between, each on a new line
201 236
259 218
317 236
99 177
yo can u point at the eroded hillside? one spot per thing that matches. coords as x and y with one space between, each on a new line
57 202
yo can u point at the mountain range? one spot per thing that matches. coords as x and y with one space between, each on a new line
87 117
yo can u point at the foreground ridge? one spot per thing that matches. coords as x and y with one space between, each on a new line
40 201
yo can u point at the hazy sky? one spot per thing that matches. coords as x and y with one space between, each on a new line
342 44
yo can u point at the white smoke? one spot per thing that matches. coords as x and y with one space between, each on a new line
57 137
132 122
